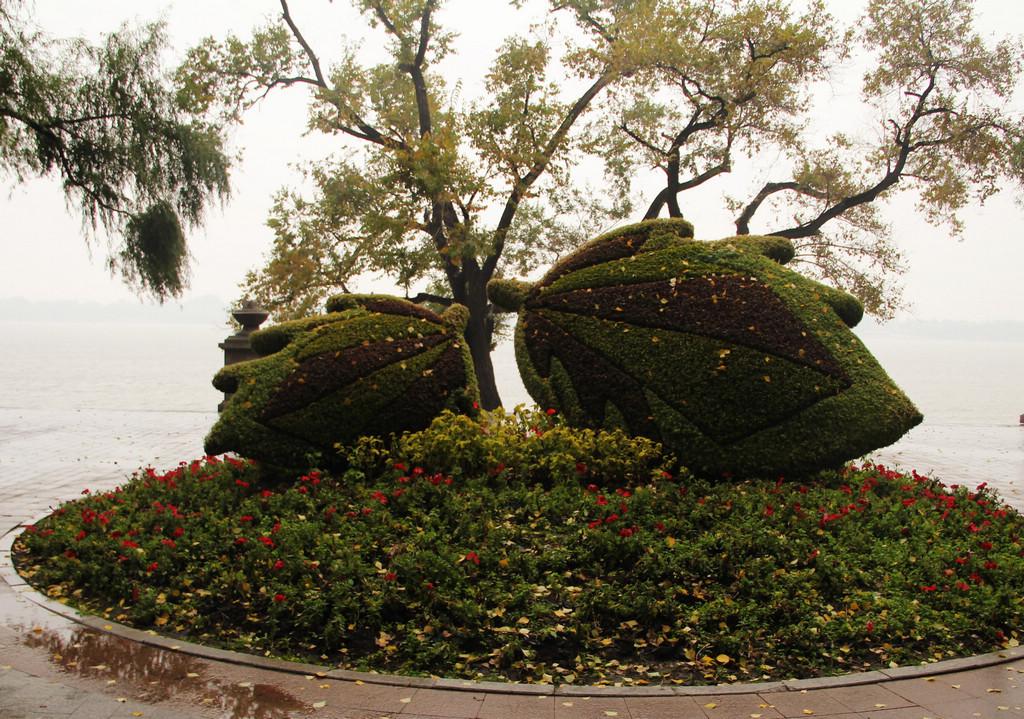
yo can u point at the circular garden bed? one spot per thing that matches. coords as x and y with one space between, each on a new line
510 547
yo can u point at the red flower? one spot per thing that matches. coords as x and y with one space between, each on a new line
601 500
168 543
985 545
473 557
152 567
245 518
991 565
267 542
909 502
551 412
241 540
266 493
769 510
963 586
80 536
279 597
626 532
611 518
178 531
928 588
660 526
279 564
595 524
302 490
129 544
241 483
390 577
870 627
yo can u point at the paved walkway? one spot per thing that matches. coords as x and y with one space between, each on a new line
51 667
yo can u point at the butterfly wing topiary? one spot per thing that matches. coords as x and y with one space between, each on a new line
713 348
372 366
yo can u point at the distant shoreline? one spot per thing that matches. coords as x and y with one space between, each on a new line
209 309
204 310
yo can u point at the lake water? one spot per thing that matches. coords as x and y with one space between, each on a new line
971 392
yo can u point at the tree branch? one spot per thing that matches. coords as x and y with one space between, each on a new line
894 172
422 297
522 187
310 55
671 191
769 189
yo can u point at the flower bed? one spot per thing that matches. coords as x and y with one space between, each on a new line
518 549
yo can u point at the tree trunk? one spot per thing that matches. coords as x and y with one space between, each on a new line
479 331
479 334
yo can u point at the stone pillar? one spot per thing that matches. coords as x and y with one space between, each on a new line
236 347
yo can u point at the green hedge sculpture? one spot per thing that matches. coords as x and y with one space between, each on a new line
374 365
715 349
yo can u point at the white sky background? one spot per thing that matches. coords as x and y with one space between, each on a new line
44 256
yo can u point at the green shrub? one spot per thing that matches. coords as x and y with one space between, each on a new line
377 366
712 348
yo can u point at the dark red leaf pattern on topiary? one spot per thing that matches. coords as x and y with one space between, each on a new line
326 373
728 307
424 398
604 381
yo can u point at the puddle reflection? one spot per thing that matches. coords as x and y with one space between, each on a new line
151 674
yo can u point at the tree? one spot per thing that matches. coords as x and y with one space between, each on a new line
939 99
103 119
411 200
443 195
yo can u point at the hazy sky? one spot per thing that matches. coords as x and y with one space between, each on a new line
44 256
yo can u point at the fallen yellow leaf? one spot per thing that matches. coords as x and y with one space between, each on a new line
319 705
710 705
723 659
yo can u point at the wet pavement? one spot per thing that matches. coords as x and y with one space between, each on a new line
53 667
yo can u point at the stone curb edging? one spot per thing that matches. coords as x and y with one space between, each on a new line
151 638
